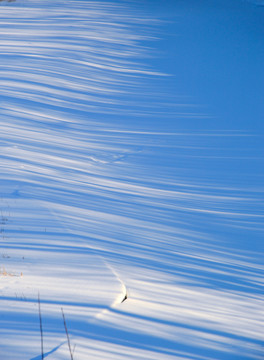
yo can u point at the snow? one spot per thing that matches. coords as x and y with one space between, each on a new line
123 200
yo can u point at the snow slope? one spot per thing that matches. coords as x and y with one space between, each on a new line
131 169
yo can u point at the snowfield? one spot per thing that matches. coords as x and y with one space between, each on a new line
131 180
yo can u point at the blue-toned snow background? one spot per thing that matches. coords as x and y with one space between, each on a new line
132 155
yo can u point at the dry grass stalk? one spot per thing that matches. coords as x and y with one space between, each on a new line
66 330
3 272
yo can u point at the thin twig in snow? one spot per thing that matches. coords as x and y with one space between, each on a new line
66 330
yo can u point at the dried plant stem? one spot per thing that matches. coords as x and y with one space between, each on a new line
41 329
66 330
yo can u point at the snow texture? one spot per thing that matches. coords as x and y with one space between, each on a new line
131 187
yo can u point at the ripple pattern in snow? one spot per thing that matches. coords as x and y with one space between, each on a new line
117 186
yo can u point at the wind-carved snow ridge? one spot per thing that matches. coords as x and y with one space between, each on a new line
121 200
124 293
120 297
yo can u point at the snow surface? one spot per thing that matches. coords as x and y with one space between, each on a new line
123 178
